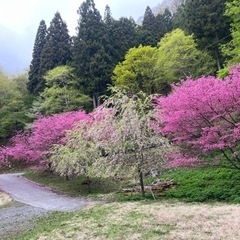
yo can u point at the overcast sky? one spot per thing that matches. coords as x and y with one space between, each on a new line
19 21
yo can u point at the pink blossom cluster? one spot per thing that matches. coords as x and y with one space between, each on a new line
178 159
45 132
203 113
96 127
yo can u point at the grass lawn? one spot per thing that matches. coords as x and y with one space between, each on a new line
98 188
195 185
167 218
142 220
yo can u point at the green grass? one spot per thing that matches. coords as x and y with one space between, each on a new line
204 185
195 185
131 216
45 225
74 186
108 221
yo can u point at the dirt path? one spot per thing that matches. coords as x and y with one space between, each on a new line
34 201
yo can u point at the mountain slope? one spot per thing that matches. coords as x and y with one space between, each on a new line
172 5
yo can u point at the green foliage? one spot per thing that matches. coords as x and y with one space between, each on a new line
149 27
206 20
178 57
154 27
75 186
232 49
14 104
108 19
60 76
56 50
99 45
136 72
6 89
201 185
148 20
51 49
122 36
117 141
61 93
90 60
58 100
35 73
164 23
223 73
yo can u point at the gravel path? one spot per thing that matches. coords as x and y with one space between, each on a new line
35 201
28 192
17 218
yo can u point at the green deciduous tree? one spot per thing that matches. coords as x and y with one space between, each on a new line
178 57
136 72
14 105
62 93
232 49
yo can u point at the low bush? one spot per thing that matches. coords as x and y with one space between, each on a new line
207 184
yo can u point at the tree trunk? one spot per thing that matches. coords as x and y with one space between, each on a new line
216 52
141 181
94 101
217 59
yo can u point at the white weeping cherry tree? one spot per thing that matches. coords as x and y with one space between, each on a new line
117 141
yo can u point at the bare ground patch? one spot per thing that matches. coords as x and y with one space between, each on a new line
4 199
168 221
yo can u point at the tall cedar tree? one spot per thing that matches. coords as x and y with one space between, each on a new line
34 72
123 36
154 28
108 19
206 20
149 28
164 23
89 56
57 49
120 35
108 27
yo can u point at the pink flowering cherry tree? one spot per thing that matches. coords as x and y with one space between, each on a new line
203 115
33 147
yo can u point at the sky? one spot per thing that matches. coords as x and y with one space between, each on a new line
19 21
